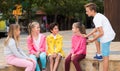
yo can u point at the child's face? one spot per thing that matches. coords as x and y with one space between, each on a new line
74 29
55 30
36 29
89 12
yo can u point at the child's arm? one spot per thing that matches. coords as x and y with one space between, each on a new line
30 46
100 33
15 50
43 44
93 31
50 45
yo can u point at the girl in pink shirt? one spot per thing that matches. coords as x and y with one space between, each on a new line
78 51
37 45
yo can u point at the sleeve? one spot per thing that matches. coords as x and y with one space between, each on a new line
30 46
72 48
97 21
23 53
59 45
50 45
14 50
43 47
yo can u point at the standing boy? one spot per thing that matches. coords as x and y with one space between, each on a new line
103 34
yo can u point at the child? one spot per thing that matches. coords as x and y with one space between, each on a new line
104 33
78 51
37 45
14 55
54 42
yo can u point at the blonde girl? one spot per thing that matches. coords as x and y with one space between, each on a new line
13 53
37 45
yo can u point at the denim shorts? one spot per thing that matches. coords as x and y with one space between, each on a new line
105 48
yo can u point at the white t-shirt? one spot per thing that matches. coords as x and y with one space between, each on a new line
101 21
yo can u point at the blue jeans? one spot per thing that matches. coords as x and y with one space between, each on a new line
42 57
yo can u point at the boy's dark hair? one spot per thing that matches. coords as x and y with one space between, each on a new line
91 6
52 25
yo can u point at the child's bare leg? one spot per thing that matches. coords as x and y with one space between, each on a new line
51 58
56 62
97 44
105 63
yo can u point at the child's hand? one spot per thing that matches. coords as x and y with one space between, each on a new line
29 59
37 54
72 57
84 35
89 41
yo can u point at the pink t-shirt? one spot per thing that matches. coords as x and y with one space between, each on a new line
78 45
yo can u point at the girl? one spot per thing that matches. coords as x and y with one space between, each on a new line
78 51
54 42
37 45
14 55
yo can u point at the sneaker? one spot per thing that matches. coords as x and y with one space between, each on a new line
99 58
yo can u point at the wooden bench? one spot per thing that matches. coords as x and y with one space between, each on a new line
6 67
60 66
86 65
11 68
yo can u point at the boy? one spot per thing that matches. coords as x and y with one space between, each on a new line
103 34
54 43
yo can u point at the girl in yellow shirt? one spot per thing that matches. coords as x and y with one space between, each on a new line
54 43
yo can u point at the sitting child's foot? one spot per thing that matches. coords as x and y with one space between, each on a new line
98 57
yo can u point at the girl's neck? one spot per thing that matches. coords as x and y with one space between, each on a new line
35 35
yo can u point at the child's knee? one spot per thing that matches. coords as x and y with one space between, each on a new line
42 56
33 57
30 64
67 60
51 59
59 56
73 60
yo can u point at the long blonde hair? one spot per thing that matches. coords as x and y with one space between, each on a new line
30 26
12 34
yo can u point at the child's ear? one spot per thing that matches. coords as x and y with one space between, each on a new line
51 31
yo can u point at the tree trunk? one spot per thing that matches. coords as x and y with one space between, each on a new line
69 23
112 11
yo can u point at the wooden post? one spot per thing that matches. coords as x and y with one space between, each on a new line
17 19
112 12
